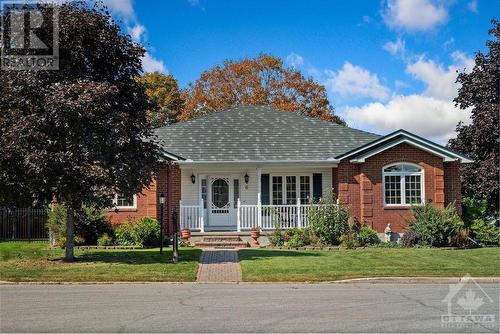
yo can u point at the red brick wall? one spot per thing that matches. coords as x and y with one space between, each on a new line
360 185
146 206
453 185
168 181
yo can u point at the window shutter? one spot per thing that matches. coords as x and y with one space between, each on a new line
317 187
264 188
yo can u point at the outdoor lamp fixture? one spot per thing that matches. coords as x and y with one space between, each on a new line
246 178
193 178
162 228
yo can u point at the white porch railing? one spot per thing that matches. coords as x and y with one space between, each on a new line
267 217
273 216
191 217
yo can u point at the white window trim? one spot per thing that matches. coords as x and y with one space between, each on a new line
133 207
402 183
297 187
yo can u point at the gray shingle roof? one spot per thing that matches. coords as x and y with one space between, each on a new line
259 133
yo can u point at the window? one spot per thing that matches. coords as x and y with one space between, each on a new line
236 192
291 190
204 192
277 190
305 189
125 202
403 184
286 189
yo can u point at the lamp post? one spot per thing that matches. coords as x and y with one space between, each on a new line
162 202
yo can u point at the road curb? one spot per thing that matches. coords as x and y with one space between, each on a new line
374 280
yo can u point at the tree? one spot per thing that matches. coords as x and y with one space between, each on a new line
163 92
257 81
480 140
79 134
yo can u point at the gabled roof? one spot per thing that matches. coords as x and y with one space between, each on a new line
259 133
367 150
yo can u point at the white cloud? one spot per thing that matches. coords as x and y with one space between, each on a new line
427 116
194 2
295 60
151 64
440 81
472 6
356 81
121 8
431 114
124 10
414 15
396 48
136 32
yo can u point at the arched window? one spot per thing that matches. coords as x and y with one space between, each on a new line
403 184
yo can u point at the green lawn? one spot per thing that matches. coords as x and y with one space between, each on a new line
303 266
23 261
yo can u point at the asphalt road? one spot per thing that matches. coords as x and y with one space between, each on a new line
353 307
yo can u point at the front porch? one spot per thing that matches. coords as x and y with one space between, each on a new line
240 196
249 216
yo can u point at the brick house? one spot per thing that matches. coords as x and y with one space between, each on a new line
226 171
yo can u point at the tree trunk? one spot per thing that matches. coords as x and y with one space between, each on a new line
70 227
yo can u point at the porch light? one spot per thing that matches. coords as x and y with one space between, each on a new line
246 178
162 198
193 178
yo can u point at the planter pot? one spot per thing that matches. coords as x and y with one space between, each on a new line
254 235
186 233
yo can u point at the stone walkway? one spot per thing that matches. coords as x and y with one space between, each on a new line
219 266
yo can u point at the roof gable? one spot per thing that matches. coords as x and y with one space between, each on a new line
360 154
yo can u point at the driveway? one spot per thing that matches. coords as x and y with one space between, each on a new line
350 307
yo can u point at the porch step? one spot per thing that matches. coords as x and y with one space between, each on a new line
221 241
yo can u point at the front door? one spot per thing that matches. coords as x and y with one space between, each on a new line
220 204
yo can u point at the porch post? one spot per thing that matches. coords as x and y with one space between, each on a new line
180 215
202 217
259 200
299 214
238 218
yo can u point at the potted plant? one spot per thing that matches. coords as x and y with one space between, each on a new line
255 234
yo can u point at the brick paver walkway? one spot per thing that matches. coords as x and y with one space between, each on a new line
219 266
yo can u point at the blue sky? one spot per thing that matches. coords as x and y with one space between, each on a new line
386 64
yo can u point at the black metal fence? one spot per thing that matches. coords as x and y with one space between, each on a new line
23 223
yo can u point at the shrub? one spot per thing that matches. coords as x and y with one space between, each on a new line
277 238
90 223
105 240
367 236
143 232
350 238
437 226
485 232
329 221
79 240
410 239
56 222
474 208
61 241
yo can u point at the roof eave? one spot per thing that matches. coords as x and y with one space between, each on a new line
360 154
